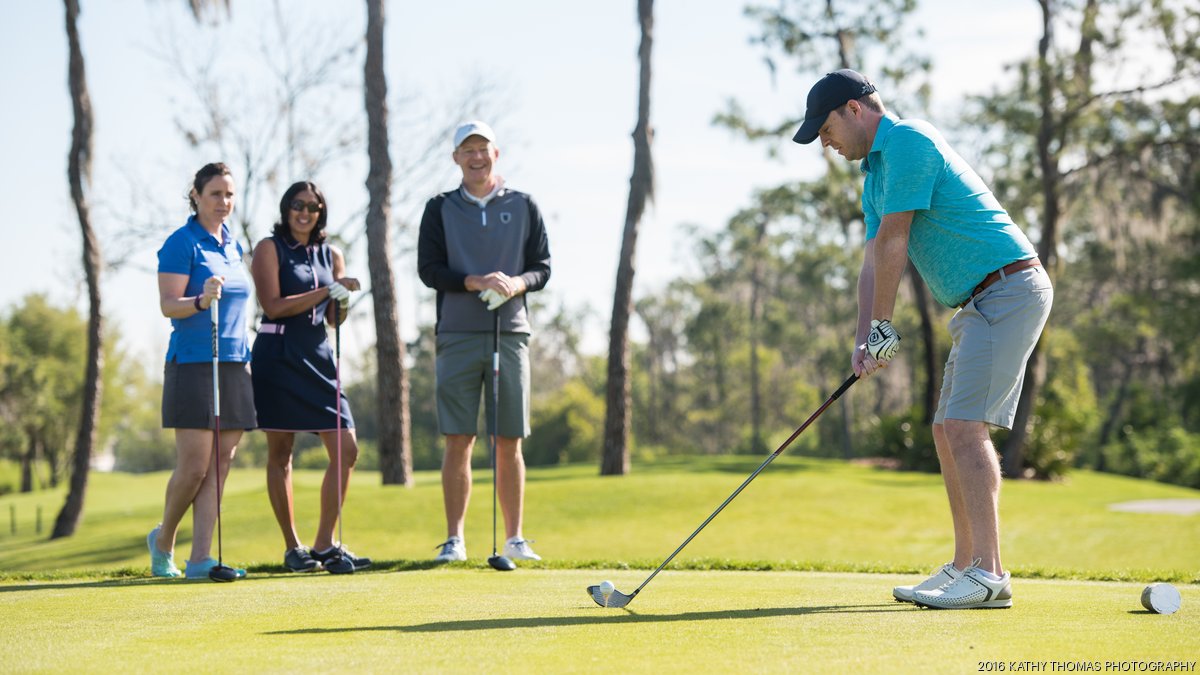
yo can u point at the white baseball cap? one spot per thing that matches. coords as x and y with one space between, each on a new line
472 128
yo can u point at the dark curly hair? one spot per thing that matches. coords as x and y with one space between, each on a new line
282 229
205 174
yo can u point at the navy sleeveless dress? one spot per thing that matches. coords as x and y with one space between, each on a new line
292 362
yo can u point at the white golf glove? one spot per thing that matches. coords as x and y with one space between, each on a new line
493 298
340 293
883 341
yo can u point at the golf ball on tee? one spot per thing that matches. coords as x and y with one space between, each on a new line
606 588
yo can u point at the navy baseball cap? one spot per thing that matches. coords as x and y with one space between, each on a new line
828 94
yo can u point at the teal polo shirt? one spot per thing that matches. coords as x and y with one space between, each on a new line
195 253
959 232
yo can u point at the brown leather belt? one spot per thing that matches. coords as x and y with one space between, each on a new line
993 277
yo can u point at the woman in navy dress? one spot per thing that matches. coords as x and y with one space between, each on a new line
301 285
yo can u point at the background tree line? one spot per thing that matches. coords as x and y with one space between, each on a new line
1099 167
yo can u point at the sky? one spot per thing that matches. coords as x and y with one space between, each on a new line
566 76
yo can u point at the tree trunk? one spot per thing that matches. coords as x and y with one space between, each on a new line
28 461
1013 452
395 440
757 445
929 341
79 170
1114 409
653 403
617 417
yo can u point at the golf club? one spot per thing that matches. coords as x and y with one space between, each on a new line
220 572
338 564
615 598
498 562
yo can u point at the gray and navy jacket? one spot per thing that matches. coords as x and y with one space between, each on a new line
461 235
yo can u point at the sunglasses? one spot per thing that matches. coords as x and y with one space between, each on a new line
311 207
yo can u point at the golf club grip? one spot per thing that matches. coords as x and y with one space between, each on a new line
214 313
337 331
770 458
842 389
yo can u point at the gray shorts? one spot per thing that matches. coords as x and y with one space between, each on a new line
464 370
187 396
993 336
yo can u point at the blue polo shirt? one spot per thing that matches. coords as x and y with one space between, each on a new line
192 251
959 232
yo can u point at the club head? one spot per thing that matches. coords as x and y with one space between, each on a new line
501 563
222 573
616 599
339 565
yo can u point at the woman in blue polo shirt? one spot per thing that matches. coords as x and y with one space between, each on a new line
199 263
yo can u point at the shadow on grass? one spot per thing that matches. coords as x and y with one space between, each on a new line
627 616
49 559
132 576
131 581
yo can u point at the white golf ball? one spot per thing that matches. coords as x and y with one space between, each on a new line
1161 598
606 588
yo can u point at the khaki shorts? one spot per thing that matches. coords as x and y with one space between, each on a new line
187 396
464 372
993 336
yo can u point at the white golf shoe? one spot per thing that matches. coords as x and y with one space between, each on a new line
517 548
941 576
971 590
453 550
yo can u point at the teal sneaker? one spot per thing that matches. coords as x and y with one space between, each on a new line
161 564
201 569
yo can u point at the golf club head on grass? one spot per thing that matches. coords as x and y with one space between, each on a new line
222 573
616 599
339 565
501 563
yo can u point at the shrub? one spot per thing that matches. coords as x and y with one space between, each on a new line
907 438
1166 455
566 428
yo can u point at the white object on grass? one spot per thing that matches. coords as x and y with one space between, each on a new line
1161 598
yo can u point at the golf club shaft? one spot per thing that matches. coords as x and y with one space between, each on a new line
495 412
770 458
337 409
214 312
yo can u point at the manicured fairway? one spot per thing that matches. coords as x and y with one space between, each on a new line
794 576
800 514
461 619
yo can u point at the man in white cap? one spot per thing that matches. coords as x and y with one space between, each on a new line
482 247
921 201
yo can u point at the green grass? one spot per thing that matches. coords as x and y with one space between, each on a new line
800 514
794 575
540 621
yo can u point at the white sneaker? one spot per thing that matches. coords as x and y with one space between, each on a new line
453 550
942 576
971 590
517 548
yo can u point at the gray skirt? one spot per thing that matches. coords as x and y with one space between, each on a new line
187 396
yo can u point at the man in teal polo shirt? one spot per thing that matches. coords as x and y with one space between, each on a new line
922 202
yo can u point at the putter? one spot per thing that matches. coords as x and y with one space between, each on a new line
338 564
618 599
220 572
497 561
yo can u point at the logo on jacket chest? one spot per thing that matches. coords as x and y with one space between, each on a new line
505 217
